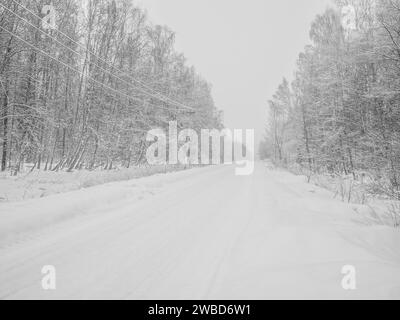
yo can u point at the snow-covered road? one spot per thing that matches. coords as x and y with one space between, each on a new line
199 234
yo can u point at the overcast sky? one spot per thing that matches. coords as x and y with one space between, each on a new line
244 48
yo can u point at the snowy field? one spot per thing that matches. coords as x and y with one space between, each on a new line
38 183
196 234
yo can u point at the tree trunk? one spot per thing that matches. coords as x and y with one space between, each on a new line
5 129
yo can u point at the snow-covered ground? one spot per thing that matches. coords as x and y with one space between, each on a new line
39 184
197 234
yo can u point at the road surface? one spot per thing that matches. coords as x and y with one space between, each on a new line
201 234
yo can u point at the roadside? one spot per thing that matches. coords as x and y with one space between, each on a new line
19 218
40 184
364 194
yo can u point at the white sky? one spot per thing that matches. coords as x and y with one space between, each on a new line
244 48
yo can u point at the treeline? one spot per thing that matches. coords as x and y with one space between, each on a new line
341 114
84 95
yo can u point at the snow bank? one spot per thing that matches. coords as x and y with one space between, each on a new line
372 208
39 184
20 217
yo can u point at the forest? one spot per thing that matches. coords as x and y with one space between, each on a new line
340 116
83 94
